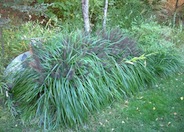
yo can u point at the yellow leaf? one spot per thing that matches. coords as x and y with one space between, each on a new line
175 113
123 122
154 108
169 123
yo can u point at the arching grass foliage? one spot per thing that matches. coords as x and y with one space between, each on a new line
73 75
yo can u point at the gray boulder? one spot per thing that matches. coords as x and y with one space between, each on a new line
17 65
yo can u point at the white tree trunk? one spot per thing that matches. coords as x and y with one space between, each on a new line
85 12
105 13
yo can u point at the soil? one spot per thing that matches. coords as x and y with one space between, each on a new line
17 17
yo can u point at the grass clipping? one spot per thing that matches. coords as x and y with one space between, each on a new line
72 75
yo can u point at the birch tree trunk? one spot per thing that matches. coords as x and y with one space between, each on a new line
105 14
85 12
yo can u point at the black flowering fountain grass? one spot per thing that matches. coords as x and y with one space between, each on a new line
73 75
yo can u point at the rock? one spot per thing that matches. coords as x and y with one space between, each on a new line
17 65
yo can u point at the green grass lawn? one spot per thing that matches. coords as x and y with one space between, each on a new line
159 109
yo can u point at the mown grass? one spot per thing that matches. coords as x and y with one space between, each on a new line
158 109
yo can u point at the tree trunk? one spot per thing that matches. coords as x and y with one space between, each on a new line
105 14
176 5
85 12
175 13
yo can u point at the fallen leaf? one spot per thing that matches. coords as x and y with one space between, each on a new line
154 108
126 102
169 123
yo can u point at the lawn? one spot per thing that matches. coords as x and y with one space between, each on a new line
159 109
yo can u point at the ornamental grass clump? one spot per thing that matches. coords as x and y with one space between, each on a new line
72 75
165 63
66 80
117 44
